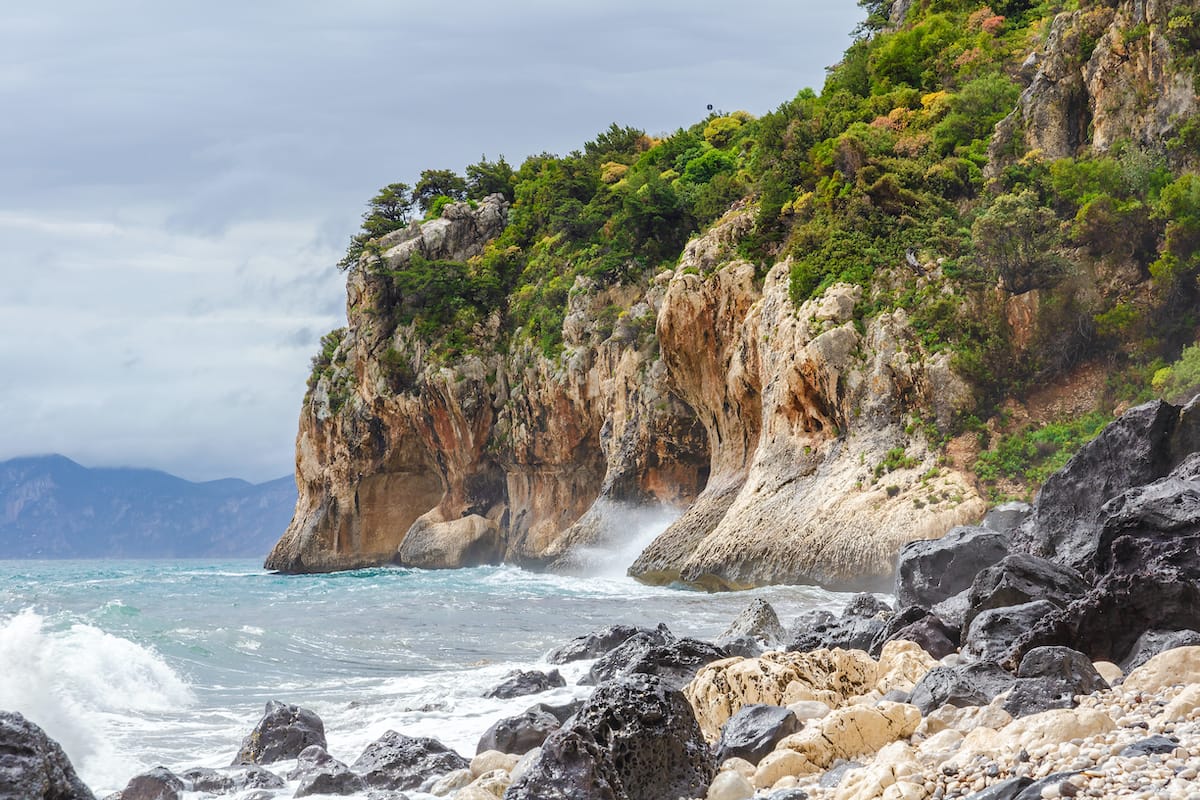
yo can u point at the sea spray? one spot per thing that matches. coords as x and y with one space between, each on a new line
79 684
626 530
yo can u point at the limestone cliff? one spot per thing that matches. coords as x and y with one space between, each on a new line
710 393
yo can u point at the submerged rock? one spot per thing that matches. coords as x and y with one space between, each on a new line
33 766
321 773
595 644
518 734
283 732
157 784
523 682
230 779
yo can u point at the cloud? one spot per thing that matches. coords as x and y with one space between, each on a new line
180 178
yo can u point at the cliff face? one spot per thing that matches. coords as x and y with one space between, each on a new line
709 394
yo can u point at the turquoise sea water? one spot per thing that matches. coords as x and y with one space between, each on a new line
132 664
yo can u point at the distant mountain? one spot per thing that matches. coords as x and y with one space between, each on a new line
51 507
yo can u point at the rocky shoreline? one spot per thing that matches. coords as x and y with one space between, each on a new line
1050 652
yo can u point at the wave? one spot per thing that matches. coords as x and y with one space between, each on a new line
82 686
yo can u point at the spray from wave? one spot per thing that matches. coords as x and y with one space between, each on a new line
83 686
626 530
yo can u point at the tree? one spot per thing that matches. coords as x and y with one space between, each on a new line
435 183
485 178
388 211
1016 238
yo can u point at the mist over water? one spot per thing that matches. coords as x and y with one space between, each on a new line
135 664
627 530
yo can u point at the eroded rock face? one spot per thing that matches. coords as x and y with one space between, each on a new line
710 394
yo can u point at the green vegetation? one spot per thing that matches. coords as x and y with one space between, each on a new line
1029 456
1180 381
879 181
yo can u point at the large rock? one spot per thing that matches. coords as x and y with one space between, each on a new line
991 633
1147 557
858 626
157 784
321 773
283 732
230 779
674 660
1133 451
518 734
1021 578
754 731
757 622
928 572
1153 642
33 766
524 682
395 761
1051 677
915 624
966 685
595 644
635 738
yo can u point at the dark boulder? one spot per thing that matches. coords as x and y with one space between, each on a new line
1148 563
754 731
788 794
1035 695
1009 789
1136 449
1007 516
283 732
395 761
635 738
857 627
597 643
991 634
917 625
321 773
932 570
759 623
230 779
157 784
676 661
964 685
560 713
1070 668
833 777
1153 642
519 683
33 766
1022 578
953 610
744 646
518 734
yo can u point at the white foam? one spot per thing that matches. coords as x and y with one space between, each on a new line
81 685
628 531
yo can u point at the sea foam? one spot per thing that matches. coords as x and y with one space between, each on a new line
80 685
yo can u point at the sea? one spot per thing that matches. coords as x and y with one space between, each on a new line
136 664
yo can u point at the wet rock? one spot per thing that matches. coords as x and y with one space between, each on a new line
965 685
992 633
321 773
675 660
157 784
595 644
930 571
1153 642
519 734
754 731
635 737
833 776
758 623
560 713
395 761
34 766
230 779
856 629
519 683
1022 578
283 732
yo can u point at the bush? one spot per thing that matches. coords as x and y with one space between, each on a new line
1180 382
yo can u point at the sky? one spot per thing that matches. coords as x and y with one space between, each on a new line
177 180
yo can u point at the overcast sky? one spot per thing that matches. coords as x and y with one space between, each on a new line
178 179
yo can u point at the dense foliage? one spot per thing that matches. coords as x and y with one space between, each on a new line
878 180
